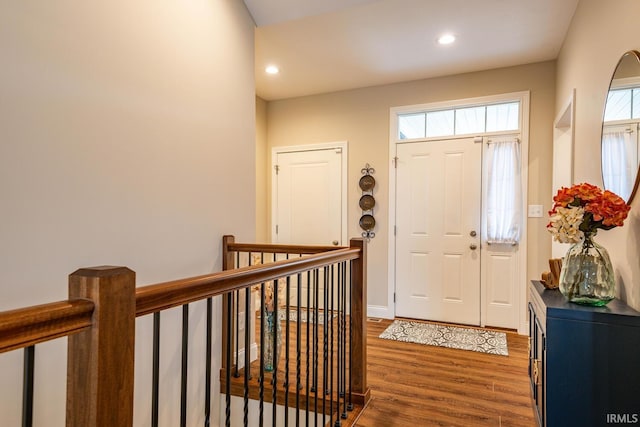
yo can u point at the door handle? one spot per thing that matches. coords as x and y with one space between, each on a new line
335 243
473 246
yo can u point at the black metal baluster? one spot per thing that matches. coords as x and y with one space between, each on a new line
155 383
343 347
340 326
329 319
262 332
247 354
315 343
286 354
237 322
274 363
298 348
287 344
337 395
343 319
183 381
342 344
207 391
344 340
28 367
350 405
228 357
274 377
314 299
325 344
308 346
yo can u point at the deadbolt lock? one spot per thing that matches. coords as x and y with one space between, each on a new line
473 233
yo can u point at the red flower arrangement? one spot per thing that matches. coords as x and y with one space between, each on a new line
583 208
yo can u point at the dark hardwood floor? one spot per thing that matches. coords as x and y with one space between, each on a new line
418 385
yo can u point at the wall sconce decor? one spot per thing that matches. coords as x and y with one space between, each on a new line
367 202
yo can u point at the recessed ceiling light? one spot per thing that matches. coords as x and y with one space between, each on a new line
446 39
272 69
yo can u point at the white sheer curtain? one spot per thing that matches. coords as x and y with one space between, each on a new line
504 192
619 160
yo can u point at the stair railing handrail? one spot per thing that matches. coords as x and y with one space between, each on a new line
278 248
171 294
27 326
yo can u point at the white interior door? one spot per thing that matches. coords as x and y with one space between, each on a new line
438 216
308 197
310 206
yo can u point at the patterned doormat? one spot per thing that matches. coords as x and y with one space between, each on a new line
480 340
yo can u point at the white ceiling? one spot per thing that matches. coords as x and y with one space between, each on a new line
330 45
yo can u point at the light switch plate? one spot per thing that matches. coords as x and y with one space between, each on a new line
535 211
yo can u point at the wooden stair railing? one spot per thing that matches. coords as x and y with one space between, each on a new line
251 386
99 319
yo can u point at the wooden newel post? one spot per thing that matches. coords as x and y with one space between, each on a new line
101 359
228 263
359 386
227 255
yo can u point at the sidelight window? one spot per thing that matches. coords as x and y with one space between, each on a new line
504 194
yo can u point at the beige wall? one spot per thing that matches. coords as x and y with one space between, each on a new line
362 118
126 138
601 31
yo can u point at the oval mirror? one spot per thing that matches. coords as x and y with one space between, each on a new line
620 125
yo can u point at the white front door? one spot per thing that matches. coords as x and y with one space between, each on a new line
438 195
308 197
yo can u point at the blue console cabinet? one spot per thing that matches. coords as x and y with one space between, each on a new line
584 362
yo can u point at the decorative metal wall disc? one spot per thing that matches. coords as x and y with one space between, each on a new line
367 182
367 222
367 202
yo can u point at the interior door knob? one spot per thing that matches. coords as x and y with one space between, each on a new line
473 246
335 243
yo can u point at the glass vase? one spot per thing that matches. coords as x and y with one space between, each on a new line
587 274
272 340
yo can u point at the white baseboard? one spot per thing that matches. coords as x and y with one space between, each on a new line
380 311
253 355
524 328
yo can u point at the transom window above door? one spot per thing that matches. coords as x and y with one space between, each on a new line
459 121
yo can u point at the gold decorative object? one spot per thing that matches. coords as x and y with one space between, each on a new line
551 279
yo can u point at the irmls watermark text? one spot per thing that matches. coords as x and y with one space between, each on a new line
623 418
